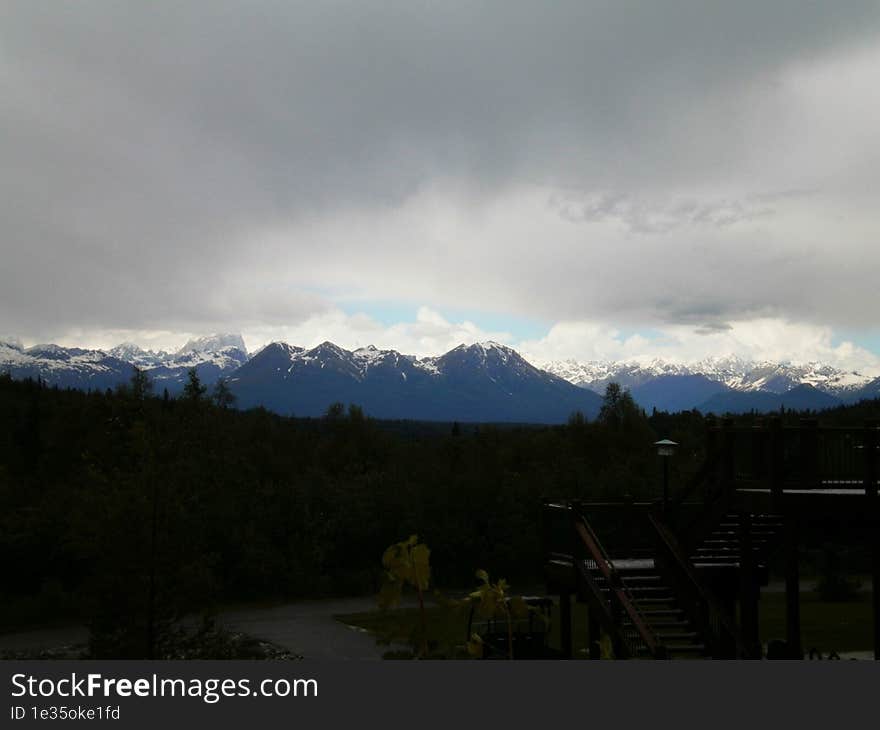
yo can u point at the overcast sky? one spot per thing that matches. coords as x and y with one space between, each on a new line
577 179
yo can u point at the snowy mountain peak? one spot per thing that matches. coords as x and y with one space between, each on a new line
328 348
13 343
730 370
486 349
371 354
213 343
127 349
47 348
131 353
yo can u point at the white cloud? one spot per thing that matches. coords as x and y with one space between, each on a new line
774 340
430 333
211 167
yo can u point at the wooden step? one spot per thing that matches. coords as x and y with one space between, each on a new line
666 637
734 534
640 579
723 550
654 600
769 526
668 624
686 648
734 531
659 612
663 623
647 591
728 546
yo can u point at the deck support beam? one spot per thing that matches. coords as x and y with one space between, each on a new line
728 642
875 587
748 590
565 624
792 591
593 634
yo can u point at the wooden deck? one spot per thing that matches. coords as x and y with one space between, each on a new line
707 550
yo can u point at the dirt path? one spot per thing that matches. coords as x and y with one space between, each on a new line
36 640
305 627
308 628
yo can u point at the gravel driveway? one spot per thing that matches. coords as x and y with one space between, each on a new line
305 627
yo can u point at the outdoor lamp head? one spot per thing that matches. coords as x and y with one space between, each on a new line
665 447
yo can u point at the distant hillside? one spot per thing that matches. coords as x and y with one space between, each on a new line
480 383
476 383
676 392
800 398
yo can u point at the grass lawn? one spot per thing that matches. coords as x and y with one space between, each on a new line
827 626
445 629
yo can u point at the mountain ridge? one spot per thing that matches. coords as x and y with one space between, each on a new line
480 381
468 383
734 372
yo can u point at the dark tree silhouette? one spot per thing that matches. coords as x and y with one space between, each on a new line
618 407
222 396
194 391
141 384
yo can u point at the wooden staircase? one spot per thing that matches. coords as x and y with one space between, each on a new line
657 607
722 545
683 578
663 616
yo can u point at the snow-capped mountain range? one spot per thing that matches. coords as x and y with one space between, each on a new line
733 372
74 367
483 382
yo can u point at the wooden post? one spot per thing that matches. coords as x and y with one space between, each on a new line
871 457
808 445
728 467
748 594
875 587
759 456
616 619
593 634
565 624
728 642
792 590
777 457
871 473
711 449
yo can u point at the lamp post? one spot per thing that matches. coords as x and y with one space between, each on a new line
665 449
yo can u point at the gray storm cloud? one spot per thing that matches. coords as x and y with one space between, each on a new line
211 163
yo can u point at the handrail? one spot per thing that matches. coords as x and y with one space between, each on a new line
806 455
708 611
701 525
617 592
695 481
715 502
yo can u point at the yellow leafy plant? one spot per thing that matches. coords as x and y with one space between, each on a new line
407 563
494 599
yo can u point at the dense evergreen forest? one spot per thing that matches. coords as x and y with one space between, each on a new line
130 510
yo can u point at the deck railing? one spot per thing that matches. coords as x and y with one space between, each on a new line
806 456
629 630
707 613
601 583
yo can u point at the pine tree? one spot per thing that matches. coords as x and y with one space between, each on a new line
194 390
222 395
141 384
